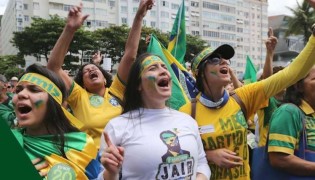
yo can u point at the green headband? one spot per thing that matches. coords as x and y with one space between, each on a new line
196 61
45 84
168 135
148 61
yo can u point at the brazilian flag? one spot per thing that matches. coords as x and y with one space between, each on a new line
81 156
177 44
179 96
250 72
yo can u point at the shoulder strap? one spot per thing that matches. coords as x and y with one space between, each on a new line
193 107
240 103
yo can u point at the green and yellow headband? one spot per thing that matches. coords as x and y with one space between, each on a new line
196 61
45 84
148 61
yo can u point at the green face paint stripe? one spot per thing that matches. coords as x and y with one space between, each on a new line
212 72
152 78
39 103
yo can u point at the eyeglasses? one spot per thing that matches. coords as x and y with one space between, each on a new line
217 60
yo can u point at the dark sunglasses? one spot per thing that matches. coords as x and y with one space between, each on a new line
217 60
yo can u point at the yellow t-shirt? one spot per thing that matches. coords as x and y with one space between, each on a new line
95 111
226 127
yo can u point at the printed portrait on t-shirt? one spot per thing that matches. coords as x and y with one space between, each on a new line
176 162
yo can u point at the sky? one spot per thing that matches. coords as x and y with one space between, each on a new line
276 7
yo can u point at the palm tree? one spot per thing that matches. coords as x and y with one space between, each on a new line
301 21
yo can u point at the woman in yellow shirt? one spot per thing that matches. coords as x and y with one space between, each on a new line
221 121
91 101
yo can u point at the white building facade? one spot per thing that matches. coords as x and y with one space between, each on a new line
241 23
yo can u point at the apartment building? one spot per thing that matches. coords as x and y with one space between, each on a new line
288 47
241 23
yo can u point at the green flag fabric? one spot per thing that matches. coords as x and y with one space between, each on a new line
80 150
178 97
177 44
15 162
250 72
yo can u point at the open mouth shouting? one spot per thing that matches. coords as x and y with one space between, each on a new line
23 110
224 70
93 75
164 83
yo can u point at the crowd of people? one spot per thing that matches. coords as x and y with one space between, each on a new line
120 127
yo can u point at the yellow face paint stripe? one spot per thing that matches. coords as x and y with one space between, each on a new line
148 61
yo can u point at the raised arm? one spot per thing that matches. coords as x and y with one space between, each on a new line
298 69
74 21
132 43
270 46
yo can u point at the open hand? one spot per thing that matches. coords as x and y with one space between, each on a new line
224 158
97 58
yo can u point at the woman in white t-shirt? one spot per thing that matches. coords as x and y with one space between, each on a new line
150 140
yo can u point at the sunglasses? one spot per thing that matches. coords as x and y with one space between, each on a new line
217 60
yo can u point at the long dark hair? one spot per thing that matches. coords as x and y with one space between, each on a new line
55 120
199 77
132 98
79 77
294 94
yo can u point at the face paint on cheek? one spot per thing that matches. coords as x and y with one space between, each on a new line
39 103
152 80
213 73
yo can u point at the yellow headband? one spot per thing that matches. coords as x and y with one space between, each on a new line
148 61
45 84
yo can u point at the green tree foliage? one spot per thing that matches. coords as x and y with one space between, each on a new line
194 45
111 41
39 38
83 41
147 31
301 21
9 65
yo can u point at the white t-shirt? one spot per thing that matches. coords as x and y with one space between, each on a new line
145 139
